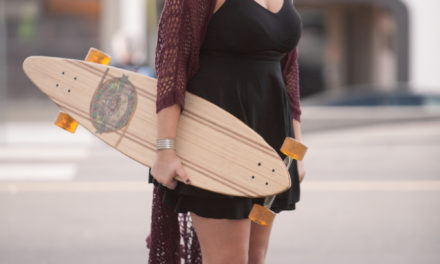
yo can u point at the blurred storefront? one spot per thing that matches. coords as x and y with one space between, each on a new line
349 44
45 27
346 44
66 28
369 45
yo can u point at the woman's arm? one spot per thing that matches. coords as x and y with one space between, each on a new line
171 70
167 165
167 121
290 71
297 129
300 163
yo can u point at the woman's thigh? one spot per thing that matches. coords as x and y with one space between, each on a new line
222 240
259 242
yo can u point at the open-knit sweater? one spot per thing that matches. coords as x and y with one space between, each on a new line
181 31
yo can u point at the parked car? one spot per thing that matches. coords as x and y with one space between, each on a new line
372 96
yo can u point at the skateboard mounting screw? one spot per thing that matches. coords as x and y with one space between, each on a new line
62 73
267 183
68 91
273 170
259 163
57 85
253 177
74 78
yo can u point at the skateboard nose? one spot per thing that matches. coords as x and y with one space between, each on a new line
28 63
35 67
48 76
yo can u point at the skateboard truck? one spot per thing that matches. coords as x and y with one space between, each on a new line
64 120
262 215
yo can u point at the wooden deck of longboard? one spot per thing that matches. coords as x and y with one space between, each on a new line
218 151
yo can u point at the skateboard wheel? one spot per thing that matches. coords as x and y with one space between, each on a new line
97 56
66 122
261 215
293 148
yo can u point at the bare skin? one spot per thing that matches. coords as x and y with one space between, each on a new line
272 6
222 240
167 165
237 241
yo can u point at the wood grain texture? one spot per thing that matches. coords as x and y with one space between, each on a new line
218 151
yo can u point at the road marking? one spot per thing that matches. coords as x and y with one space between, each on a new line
77 186
37 172
141 186
43 133
38 153
365 186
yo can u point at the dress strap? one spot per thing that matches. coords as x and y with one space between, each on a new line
223 6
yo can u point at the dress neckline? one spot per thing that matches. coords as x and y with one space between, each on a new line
255 3
267 10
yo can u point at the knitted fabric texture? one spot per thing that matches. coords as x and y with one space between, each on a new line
172 239
181 30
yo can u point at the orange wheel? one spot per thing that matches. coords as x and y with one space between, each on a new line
97 56
293 148
261 215
66 122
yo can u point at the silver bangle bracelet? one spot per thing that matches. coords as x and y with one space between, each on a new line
165 143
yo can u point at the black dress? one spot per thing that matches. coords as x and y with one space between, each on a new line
240 71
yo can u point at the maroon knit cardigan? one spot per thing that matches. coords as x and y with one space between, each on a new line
181 30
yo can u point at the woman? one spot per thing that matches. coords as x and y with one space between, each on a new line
242 56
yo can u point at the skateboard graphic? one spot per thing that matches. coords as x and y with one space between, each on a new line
218 151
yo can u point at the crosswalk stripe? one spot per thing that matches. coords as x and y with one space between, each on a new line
379 185
37 153
37 171
140 186
77 186
42 133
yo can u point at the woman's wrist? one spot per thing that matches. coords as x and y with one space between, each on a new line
165 143
166 146
166 152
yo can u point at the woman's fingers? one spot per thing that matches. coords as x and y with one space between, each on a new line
171 185
182 174
168 166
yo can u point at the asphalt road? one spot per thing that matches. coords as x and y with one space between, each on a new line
371 194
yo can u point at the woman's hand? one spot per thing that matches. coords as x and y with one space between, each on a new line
301 170
167 166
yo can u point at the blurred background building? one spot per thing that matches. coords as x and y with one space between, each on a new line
346 46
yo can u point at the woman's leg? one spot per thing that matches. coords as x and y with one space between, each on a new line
259 242
222 240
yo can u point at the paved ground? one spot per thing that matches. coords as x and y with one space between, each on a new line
371 193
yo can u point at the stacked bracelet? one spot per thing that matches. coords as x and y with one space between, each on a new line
165 143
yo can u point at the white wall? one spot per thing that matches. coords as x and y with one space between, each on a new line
424 26
123 30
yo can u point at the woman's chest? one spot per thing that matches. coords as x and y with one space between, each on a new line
245 24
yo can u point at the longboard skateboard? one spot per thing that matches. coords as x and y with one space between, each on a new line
219 152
